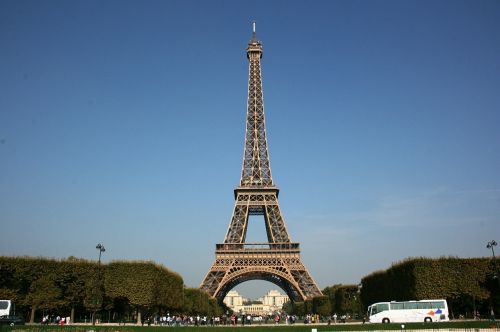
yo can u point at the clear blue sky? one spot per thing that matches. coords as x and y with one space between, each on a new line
122 122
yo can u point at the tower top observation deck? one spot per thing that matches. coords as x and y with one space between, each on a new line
254 45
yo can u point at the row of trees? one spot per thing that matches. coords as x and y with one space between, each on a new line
77 288
468 284
345 300
337 299
318 305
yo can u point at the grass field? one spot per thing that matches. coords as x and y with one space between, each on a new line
456 325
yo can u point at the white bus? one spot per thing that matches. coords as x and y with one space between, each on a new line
408 311
5 307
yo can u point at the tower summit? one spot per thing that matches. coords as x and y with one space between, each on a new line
277 260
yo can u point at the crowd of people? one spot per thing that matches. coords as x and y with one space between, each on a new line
241 319
57 320
186 320
201 320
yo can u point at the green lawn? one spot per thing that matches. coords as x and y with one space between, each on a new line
463 325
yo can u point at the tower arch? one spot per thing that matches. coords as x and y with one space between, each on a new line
278 278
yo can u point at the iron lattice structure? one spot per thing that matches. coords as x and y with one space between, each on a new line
277 261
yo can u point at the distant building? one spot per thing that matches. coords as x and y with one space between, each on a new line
274 299
233 299
271 302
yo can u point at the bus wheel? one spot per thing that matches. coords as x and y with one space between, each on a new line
385 320
427 320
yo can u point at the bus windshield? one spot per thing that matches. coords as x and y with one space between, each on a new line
379 307
5 307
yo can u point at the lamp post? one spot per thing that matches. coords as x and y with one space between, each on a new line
98 294
101 249
491 245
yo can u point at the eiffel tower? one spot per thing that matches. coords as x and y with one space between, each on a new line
278 260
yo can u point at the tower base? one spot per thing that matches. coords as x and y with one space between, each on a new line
278 263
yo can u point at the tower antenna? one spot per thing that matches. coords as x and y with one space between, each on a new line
254 34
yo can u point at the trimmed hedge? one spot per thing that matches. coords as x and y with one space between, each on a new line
73 286
466 283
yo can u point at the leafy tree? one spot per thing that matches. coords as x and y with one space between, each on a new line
330 292
348 300
44 294
299 308
308 306
94 296
321 305
147 286
190 300
9 294
344 299
72 281
288 307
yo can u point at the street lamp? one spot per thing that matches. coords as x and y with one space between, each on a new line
491 245
98 286
101 249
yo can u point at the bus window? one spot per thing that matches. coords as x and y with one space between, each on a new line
424 305
410 305
382 307
438 305
397 306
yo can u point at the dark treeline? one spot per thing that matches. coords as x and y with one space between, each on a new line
124 290
337 299
468 284
118 291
